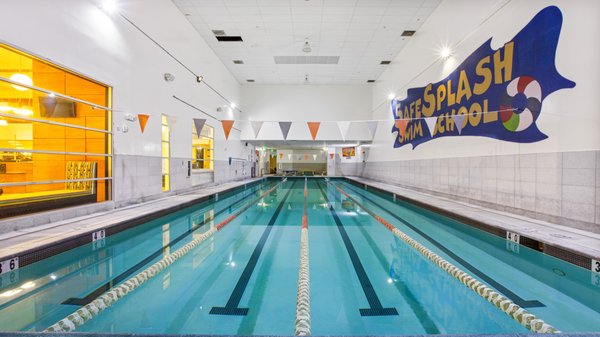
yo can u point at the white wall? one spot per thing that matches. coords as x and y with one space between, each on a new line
305 103
569 117
78 35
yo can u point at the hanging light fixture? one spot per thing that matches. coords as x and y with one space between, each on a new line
306 48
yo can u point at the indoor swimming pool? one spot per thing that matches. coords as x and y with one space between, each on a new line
241 275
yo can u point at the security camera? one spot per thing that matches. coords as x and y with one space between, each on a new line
169 77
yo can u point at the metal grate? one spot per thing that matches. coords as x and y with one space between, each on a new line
568 256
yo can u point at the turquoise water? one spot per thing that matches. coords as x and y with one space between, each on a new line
243 280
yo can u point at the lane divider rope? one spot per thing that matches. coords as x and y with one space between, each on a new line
110 297
519 314
302 324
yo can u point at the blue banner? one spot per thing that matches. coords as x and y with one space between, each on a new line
493 93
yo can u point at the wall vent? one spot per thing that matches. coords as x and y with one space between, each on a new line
385 62
250 81
238 62
218 32
370 81
408 33
229 38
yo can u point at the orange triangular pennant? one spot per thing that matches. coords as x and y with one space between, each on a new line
143 119
227 125
314 128
401 124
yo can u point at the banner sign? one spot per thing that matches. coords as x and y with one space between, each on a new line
493 93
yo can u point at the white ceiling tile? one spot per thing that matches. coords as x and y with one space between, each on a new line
406 3
373 3
360 32
338 10
208 3
273 3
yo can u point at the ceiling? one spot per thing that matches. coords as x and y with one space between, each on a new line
362 33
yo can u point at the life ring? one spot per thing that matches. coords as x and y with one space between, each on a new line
522 104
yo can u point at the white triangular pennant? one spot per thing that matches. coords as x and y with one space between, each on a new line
256 126
431 123
314 157
344 126
289 156
372 127
171 121
458 122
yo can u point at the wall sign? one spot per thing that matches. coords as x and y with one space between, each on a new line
493 93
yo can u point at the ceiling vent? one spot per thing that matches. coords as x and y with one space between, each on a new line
306 59
218 32
225 38
250 81
370 81
385 62
408 33
238 62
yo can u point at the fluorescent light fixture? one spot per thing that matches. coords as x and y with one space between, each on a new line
23 79
391 96
232 105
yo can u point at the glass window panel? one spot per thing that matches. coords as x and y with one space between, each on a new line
17 136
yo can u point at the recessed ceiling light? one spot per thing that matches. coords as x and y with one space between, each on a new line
370 81
238 62
385 62
408 33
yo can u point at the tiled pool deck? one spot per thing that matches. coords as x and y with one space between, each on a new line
571 239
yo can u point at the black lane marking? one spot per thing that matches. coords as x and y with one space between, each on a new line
376 309
231 308
514 297
126 274
421 313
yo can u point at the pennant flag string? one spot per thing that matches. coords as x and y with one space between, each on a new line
458 122
314 128
256 126
344 127
227 125
372 127
285 128
401 124
143 120
431 123
199 124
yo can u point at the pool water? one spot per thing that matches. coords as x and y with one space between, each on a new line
243 279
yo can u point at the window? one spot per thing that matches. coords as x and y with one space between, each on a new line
166 153
202 148
55 138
